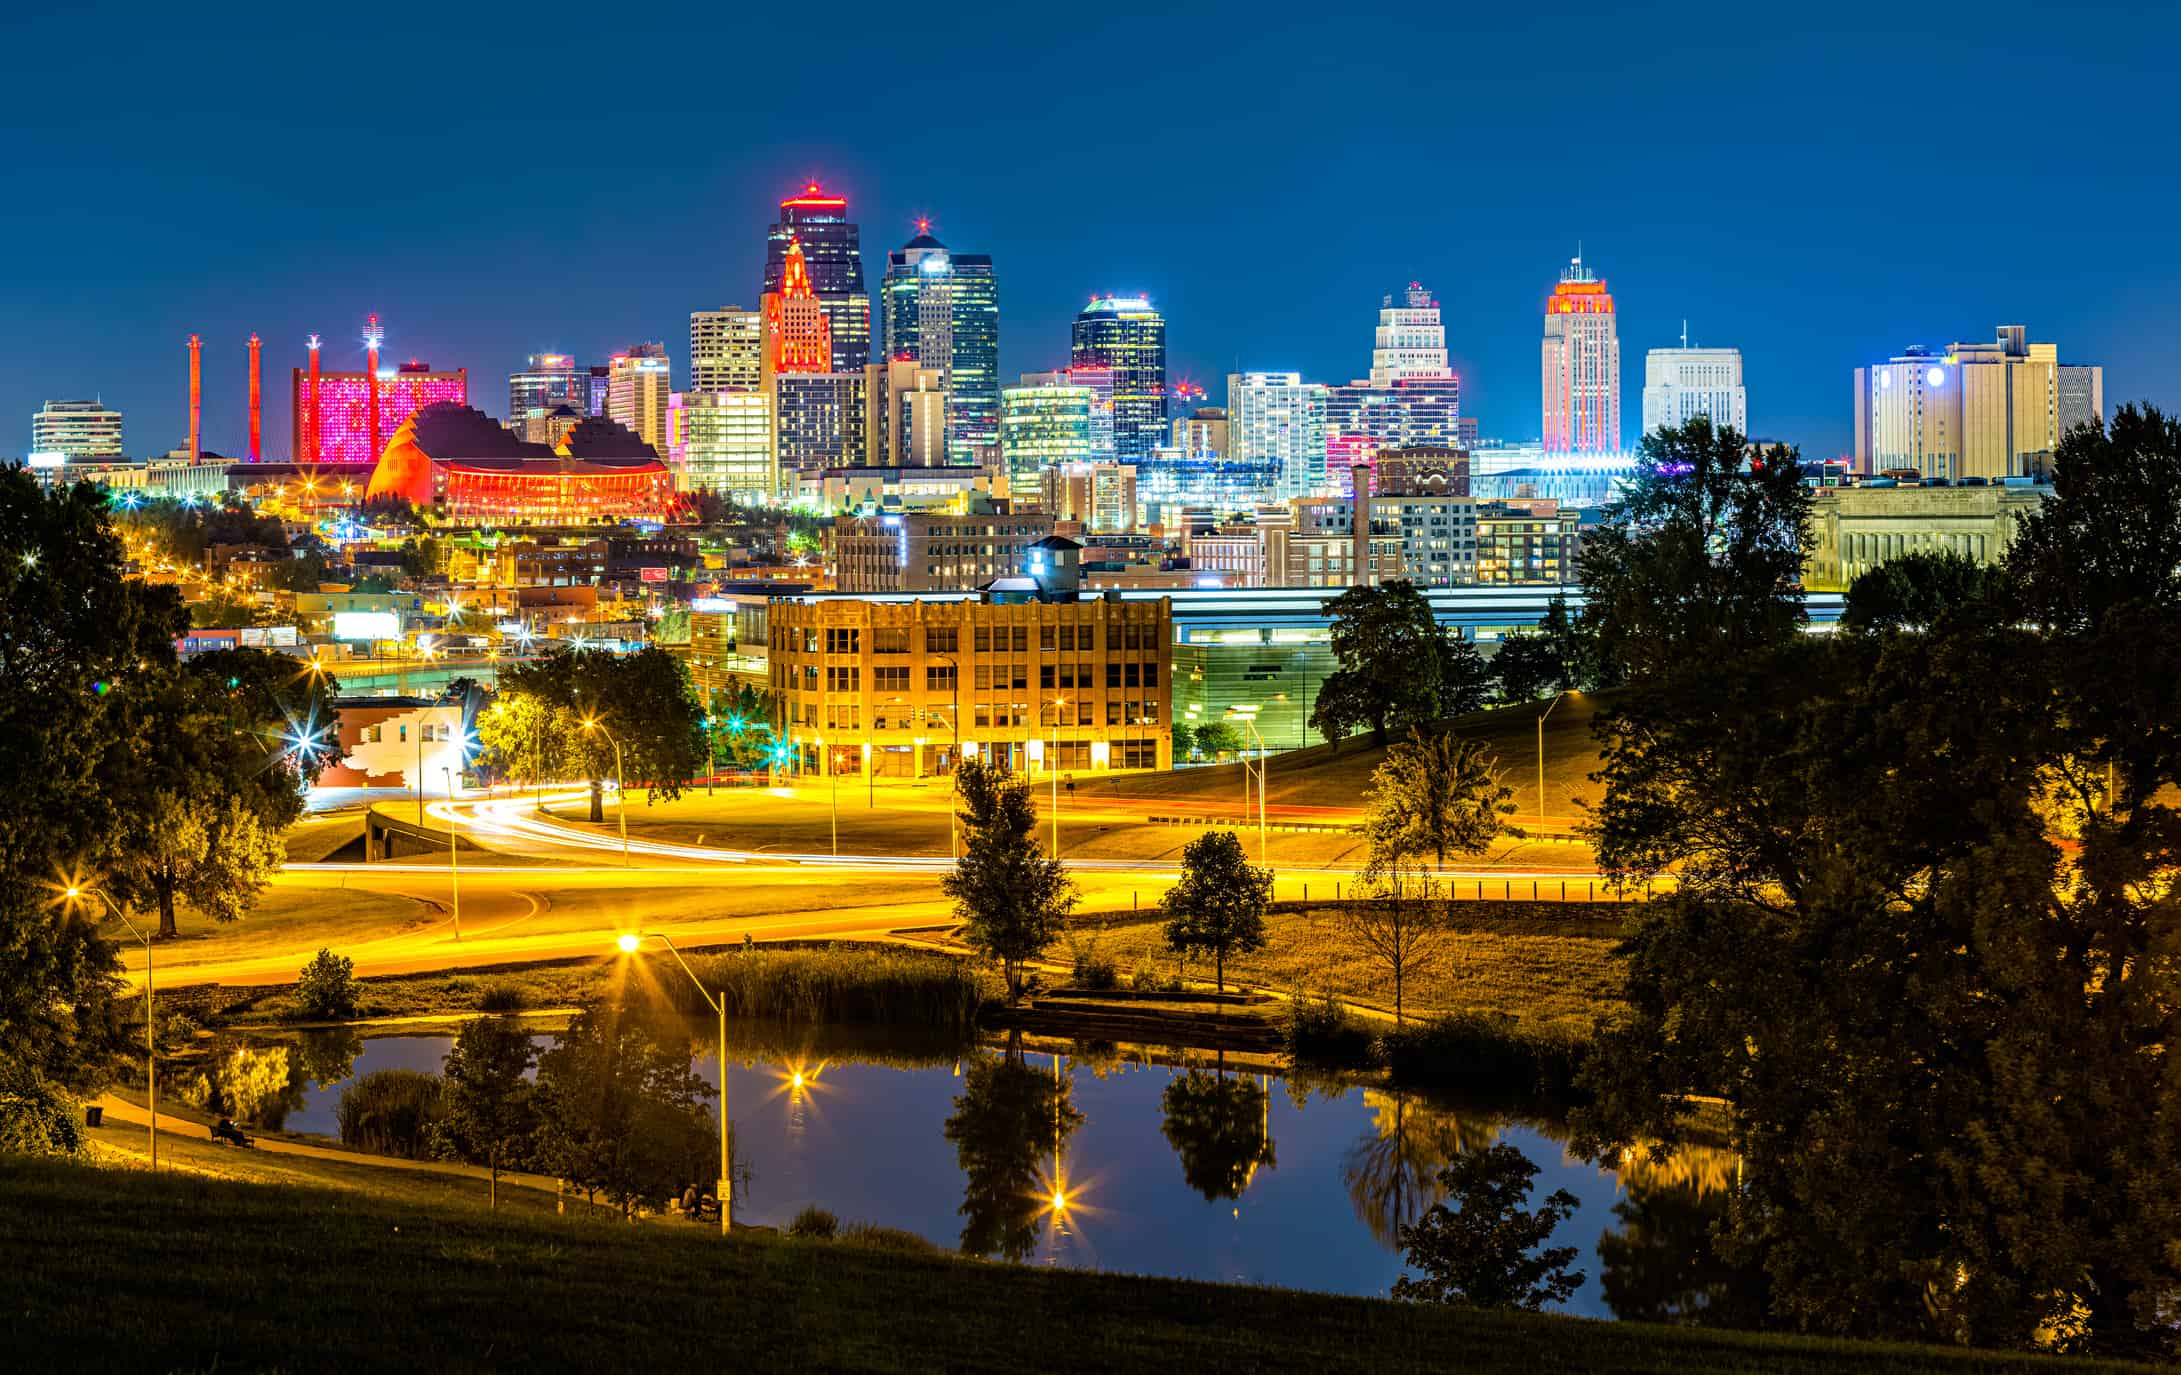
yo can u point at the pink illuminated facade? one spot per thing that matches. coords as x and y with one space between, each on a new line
333 409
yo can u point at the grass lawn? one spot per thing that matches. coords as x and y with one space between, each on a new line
287 918
123 1271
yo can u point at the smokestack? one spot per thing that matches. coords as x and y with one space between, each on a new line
372 335
255 407
1360 526
196 396
310 408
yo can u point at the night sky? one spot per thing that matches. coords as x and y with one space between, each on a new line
1817 191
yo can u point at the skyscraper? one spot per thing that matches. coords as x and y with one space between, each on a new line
1125 334
638 384
1276 418
1044 422
1412 397
724 439
547 381
1977 410
906 417
942 309
1582 373
334 410
798 331
726 350
1411 343
76 430
1679 384
835 262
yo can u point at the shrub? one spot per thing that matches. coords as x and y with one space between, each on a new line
892 1239
391 1112
1487 1052
1095 971
1151 981
1320 1031
326 988
503 995
36 1118
814 1224
844 985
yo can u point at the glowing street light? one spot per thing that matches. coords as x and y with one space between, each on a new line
1246 713
1541 747
620 786
628 941
75 894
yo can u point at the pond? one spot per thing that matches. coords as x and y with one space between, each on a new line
1183 1169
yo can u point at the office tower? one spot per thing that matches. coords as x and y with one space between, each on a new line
905 415
1203 430
1975 411
599 388
1277 419
335 409
1582 373
2081 399
1125 334
818 421
1101 497
726 350
943 310
76 430
547 382
820 224
1045 422
638 384
725 444
1680 384
1411 343
798 332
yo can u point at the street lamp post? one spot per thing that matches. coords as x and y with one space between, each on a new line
628 942
1248 718
620 787
454 870
1052 766
151 1050
1541 750
954 760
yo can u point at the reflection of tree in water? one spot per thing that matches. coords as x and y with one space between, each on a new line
1217 1126
1663 1263
254 1084
328 1055
1008 1122
1393 1174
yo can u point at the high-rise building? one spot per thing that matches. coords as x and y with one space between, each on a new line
1277 419
546 382
1203 430
829 241
1099 496
726 350
1044 423
638 384
724 443
818 421
76 430
905 415
943 310
1977 410
2081 396
333 409
1411 343
1125 334
1681 384
1411 398
798 331
1582 374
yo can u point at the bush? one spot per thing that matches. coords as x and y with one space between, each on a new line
503 996
1486 1052
892 1239
326 988
392 1112
1095 971
1151 981
814 1224
844 985
38 1119
1321 1032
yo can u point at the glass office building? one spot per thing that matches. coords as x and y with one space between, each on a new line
1125 334
831 248
942 309
1041 427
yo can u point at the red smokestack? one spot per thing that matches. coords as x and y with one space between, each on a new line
310 407
254 406
196 395
372 335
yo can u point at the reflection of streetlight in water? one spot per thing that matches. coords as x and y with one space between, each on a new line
799 1081
1063 1197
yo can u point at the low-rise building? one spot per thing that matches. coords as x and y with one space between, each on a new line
931 552
1854 529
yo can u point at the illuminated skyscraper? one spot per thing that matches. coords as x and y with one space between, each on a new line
1411 343
1990 411
76 430
1278 420
547 381
1044 423
1125 334
943 310
1680 384
1582 375
835 263
723 443
335 410
726 350
638 384
798 332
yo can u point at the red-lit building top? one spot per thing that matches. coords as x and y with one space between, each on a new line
798 336
332 410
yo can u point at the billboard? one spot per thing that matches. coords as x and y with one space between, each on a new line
366 625
652 574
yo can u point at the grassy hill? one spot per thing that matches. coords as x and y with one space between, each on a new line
117 1270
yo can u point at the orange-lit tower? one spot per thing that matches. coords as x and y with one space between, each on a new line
308 449
196 396
1582 375
373 337
254 397
798 337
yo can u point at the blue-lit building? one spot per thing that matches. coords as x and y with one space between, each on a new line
1125 334
942 309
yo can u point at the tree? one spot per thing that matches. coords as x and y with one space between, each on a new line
1464 678
490 1108
1396 919
1215 738
1701 559
620 1110
1216 1126
1527 668
1184 739
283 703
642 701
1391 653
1009 1120
1435 793
327 987
1011 898
523 737
1479 1253
1915 589
2070 563
1219 904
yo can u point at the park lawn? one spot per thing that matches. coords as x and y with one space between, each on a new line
124 1271
517 987
288 917
1545 964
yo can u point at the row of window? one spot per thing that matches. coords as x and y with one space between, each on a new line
988 639
985 716
844 678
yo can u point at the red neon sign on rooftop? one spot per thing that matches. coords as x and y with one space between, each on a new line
813 196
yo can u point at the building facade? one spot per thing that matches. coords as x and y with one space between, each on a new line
547 382
1582 373
1044 425
933 551
1681 384
831 248
1100 497
722 442
638 384
1411 342
905 689
942 309
76 431
1278 420
1124 334
726 350
332 411
1977 410
1856 528
906 415
817 420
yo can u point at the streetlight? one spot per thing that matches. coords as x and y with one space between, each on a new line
954 759
620 786
454 871
151 1051
833 775
1247 715
1541 747
629 941
1052 766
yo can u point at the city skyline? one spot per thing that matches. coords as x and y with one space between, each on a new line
481 269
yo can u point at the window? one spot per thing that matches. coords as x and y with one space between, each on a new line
1113 711
842 639
1130 674
810 641
1022 639
893 640
1083 712
894 679
1151 674
404 737
939 678
942 640
1020 681
983 717
1086 637
984 639
1113 673
843 678
1048 637
841 716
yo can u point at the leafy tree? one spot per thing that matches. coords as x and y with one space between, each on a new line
1528 668
620 1111
1215 738
642 701
1700 560
1391 653
2070 563
1185 739
1009 1122
1219 904
1392 1174
490 1106
327 987
204 815
1216 1126
1914 590
525 738
1010 896
1464 677
284 703
1489 1251
1397 919
1435 793
422 556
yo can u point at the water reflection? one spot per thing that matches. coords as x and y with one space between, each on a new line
1010 1129
1663 1263
1220 1128
1392 1173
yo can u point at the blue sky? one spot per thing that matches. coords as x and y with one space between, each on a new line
1817 187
